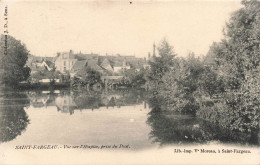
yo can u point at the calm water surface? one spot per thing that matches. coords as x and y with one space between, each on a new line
102 118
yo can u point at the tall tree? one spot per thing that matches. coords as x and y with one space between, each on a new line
239 52
238 58
162 64
13 62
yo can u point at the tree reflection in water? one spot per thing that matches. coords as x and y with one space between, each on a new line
168 128
96 99
87 100
67 101
14 119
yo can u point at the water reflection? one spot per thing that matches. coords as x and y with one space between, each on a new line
69 101
89 117
168 128
13 118
134 119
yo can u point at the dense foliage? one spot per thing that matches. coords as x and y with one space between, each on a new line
168 128
237 58
134 77
13 63
224 91
13 118
162 64
45 74
87 77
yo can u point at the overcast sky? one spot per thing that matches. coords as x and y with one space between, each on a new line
117 26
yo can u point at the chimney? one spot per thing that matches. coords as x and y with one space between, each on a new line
154 50
71 52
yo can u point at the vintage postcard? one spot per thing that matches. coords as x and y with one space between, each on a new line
135 82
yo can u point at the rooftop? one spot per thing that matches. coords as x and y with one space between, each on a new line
49 63
78 65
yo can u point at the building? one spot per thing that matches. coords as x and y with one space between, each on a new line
79 65
93 64
36 68
106 65
65 61
65 104
48 65
120 65
80 56
80 68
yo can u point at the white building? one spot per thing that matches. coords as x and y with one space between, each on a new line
65 61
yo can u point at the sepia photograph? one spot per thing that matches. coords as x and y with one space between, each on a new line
129 82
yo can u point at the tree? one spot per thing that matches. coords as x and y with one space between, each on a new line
45 74
162 64
13 119
182 83
211 83
13 63
239 51
129 75
86 77
92 77
238 60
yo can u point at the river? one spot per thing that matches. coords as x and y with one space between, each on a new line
129 119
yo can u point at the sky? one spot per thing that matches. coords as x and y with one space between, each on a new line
117 27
